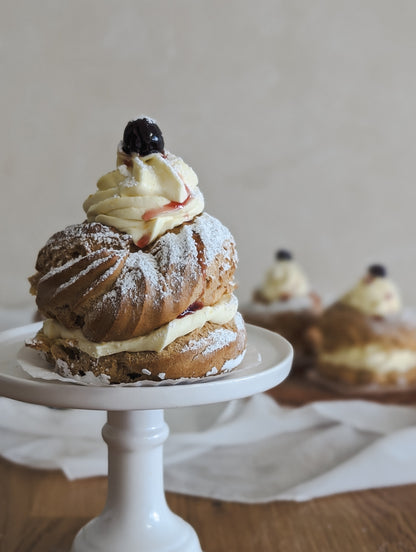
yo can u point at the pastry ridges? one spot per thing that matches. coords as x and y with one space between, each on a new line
92 277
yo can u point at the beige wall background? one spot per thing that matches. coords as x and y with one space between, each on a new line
298 116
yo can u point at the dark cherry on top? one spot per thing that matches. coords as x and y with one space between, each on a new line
283 255
377 270
143 136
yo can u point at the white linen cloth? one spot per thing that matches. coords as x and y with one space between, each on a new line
249 450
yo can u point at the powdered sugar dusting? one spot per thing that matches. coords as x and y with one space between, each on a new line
114 279
79 240
239 322
227 366
147 266
90 268
212 372
108 273
141 271
214 236
178 250
233 363
216 340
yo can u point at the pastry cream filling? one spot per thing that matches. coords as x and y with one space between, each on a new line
220 313
283 280
146 196
374 297
373 357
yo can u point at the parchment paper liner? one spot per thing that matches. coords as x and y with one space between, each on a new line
36 366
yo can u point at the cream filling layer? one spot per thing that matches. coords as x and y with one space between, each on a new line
373 358
220 313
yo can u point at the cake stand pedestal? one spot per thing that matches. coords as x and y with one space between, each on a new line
136 517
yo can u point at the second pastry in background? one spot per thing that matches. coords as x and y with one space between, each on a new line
286 304
366 336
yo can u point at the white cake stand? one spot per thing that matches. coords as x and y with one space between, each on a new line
136 517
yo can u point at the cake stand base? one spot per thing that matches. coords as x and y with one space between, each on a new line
136 517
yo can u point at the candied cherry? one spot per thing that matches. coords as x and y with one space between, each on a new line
377 270
142 136
284 255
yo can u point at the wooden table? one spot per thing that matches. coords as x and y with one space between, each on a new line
41 511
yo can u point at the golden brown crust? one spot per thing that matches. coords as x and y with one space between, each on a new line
342 326
91 276
362 376
293 325
193 355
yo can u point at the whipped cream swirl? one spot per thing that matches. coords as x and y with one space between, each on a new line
146 196
374 296
283 281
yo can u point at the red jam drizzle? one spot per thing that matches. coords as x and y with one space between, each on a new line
191 309
144 240
169 207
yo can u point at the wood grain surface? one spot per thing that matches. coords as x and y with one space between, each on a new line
41 511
